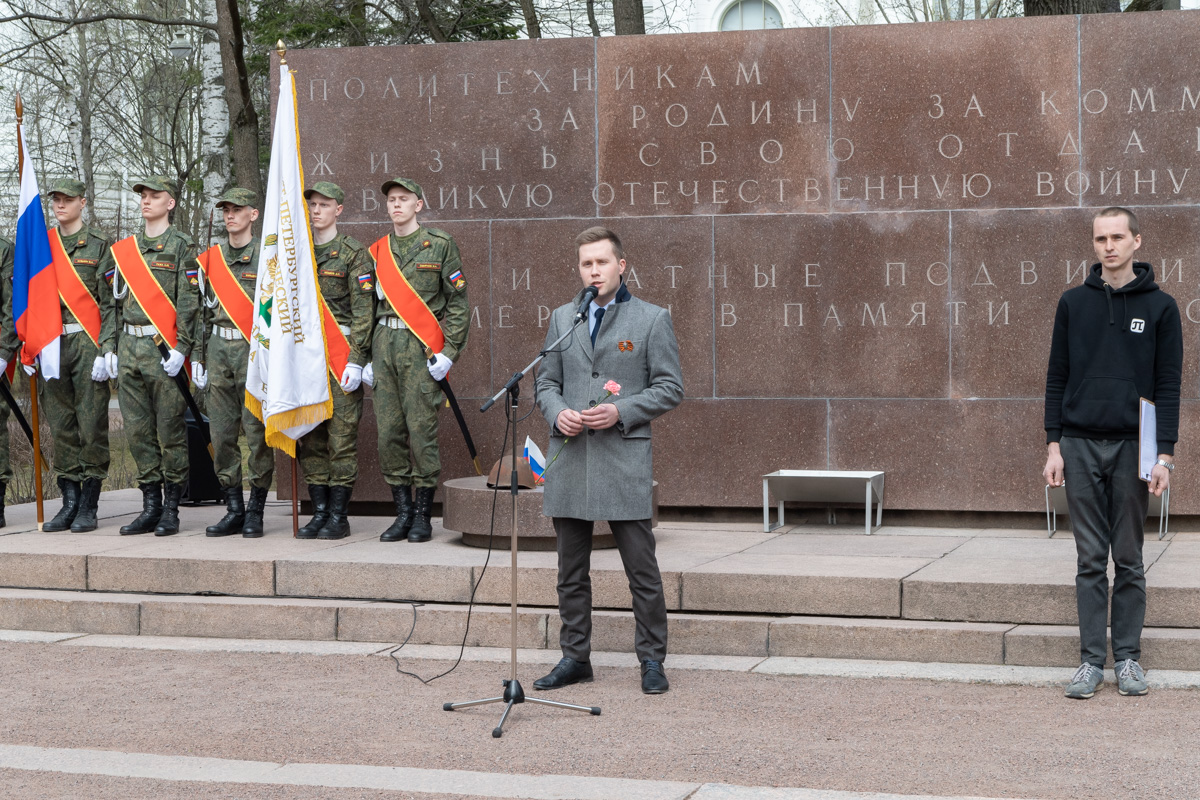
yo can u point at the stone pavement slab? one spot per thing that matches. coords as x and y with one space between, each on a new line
799 584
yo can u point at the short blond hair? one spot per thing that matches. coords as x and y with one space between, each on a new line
600 234
1117 211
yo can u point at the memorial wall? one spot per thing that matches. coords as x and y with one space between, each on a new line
861 232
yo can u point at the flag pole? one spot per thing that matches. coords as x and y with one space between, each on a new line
33 402
282 50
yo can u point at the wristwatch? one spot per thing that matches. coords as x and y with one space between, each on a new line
1169 465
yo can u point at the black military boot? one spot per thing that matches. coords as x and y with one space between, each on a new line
253 529
320 500
168 524
152 509
235 514
338 526
398 530
422 530
89 504
3 490
70 507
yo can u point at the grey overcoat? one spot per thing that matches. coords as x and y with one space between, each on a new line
608 474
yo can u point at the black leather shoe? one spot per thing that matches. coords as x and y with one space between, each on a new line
566 672
654 680
253 526
398 530
422 529
89 504
152 510
70 507
235 514
319 495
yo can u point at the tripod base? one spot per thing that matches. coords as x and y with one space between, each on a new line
513 695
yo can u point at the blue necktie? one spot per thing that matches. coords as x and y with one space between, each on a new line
596 327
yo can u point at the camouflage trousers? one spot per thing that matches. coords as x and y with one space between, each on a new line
153 410
329 453
76 408
406 409
228 416
6 473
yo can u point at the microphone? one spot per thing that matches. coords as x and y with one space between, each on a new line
589 294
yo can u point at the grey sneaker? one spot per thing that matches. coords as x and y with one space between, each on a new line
1085 682
1131 679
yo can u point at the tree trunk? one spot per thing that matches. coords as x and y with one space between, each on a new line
429 21
628 17
213 124
1046 8
243 119
83 78
591 15
532 26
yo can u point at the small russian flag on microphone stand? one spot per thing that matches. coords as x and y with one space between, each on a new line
35 302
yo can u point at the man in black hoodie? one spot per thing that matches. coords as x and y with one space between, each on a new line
1117 338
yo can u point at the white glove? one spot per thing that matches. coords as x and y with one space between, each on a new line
110 364
173 363
368 375
352 378
199 375
440 367
99 371
30 369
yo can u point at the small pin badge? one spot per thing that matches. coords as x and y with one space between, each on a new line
625 345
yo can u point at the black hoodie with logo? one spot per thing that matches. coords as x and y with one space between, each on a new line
1110 348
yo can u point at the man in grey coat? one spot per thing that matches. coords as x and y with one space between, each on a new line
606 471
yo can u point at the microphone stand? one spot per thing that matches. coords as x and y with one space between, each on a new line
513 693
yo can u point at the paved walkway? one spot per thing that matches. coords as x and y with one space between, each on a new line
213 718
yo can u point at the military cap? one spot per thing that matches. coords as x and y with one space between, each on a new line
238 197
158 183
326 189
69 187
404 183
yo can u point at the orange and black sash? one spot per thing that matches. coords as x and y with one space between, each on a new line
404 298
72 290
146 289
228 289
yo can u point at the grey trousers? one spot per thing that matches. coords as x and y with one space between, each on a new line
1107 502
635 541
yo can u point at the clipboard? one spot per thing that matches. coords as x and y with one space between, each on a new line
1147 438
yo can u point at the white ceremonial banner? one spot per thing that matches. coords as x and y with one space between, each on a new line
287 380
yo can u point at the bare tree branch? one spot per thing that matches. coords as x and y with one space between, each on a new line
73 21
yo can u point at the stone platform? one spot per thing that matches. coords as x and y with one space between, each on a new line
981 595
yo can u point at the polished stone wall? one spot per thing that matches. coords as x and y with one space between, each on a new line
861 232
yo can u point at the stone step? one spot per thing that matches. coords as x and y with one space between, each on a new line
537 628
938 575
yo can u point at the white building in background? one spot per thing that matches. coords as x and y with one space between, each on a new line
740 15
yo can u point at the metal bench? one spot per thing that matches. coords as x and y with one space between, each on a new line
828 487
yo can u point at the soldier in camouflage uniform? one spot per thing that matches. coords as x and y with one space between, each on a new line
150 401
8 351
329 454
76 403
407 395
225 354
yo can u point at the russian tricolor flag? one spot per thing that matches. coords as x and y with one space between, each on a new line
35 303
537 461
